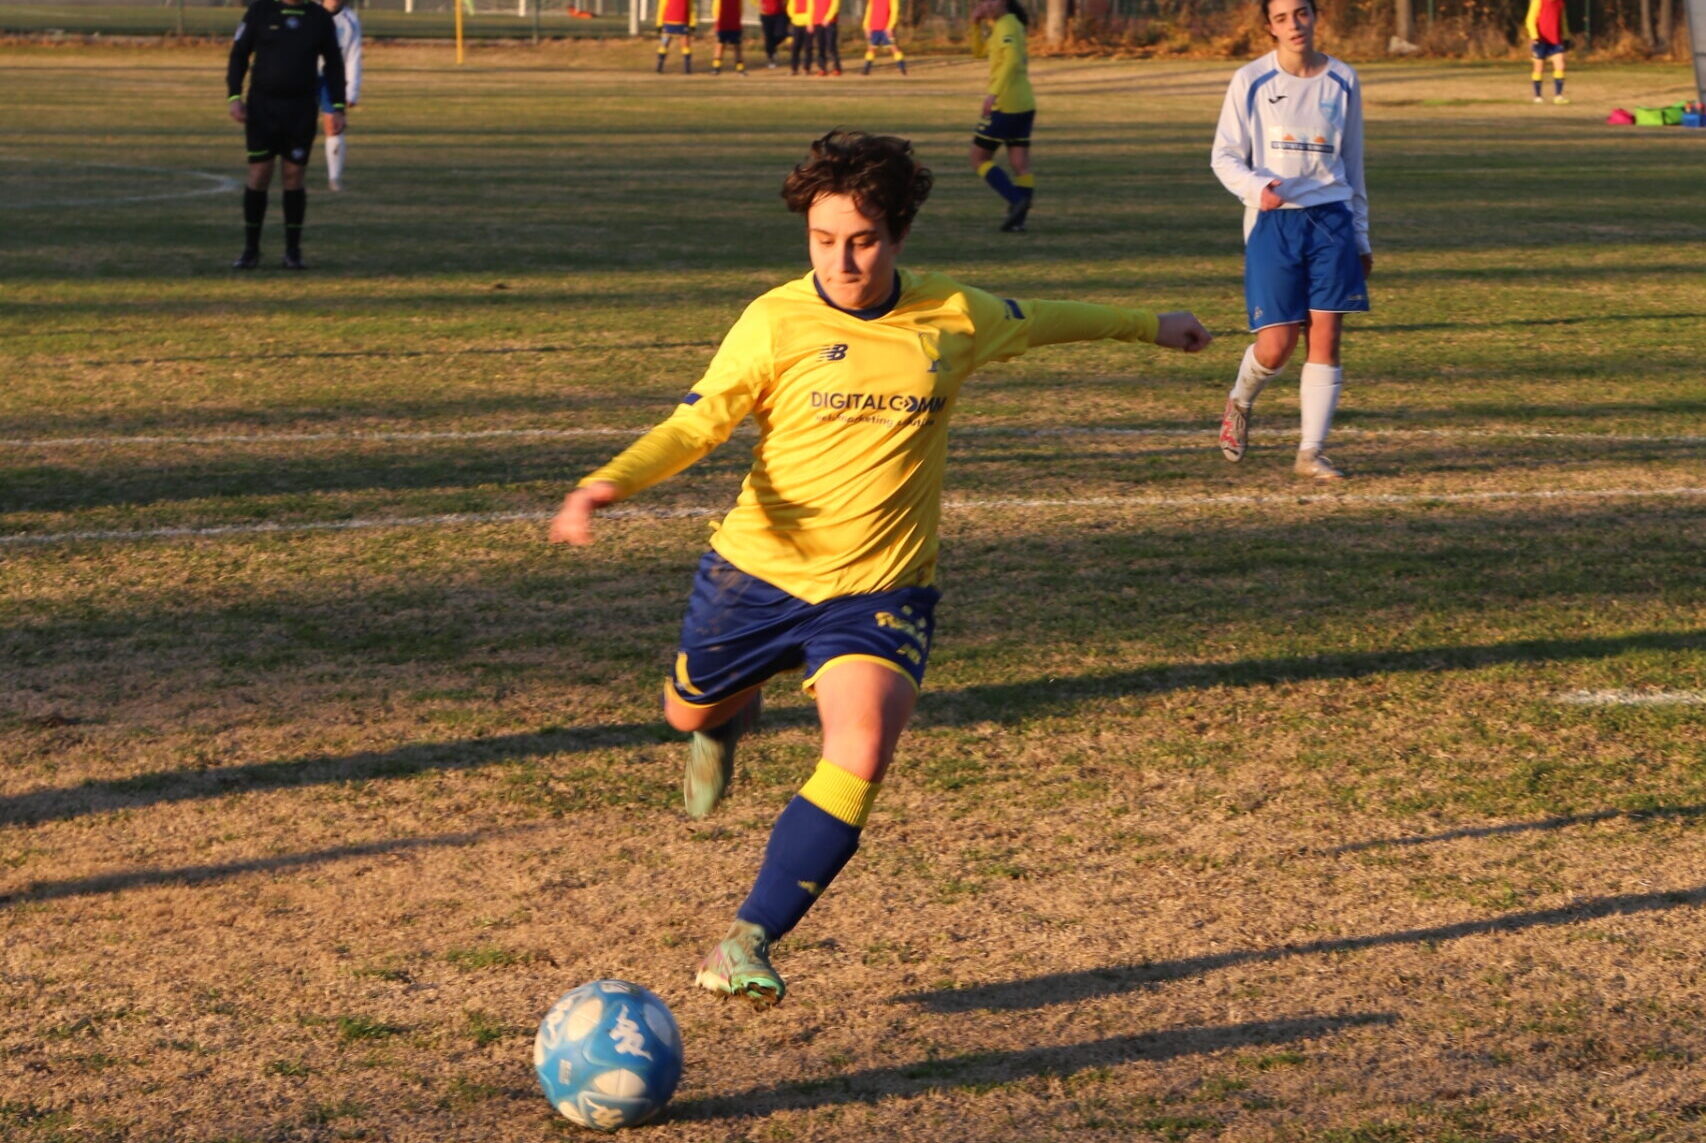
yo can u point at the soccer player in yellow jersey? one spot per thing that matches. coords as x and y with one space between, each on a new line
825 562
1009 109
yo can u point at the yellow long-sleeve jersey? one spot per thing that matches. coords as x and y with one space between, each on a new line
1009 75
844 494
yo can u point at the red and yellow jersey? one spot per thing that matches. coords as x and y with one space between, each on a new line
824 11
881 15
1547 21
800 12
678 12
728 15
772 7
844 493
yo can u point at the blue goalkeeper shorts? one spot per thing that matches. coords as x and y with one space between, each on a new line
1302 259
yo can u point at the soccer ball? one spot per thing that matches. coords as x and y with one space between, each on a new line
608 1055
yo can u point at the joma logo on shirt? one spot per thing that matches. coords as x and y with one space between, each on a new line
833 353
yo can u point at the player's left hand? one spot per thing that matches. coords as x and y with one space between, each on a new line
1181 330
988 105
337 122
239 113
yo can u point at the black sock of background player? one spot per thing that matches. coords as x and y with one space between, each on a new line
254 213
295 210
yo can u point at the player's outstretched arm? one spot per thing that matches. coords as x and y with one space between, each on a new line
573 522
1181 330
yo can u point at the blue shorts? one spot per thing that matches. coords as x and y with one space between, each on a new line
1000 127
326 107
1545 49
1303 259
881 39
729 37
740 630
677 30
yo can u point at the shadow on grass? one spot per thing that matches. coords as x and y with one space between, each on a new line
1000 702
1653 813
1066 988
993 1069
190 784
199 874
1006 702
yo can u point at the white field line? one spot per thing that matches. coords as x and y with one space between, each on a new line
1634 698
1206 432
217 184
957 505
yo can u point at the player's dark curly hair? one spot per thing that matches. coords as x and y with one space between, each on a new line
880 171
1015 8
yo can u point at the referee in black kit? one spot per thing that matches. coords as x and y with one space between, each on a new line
287 40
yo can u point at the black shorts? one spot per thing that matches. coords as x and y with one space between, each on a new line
281 127
1012 128
732 37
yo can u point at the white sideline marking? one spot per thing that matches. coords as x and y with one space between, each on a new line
220 184
1205 433
950 505
1634 698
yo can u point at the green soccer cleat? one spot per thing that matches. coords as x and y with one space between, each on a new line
740 966
711 760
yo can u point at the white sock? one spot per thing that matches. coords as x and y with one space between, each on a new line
1252 377
335 158
1319 394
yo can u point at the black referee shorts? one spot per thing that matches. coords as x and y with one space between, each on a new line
281 127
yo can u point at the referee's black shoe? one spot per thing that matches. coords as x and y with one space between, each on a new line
1016 212
293 260
247 260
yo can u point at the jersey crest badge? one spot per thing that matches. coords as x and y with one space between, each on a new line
932 352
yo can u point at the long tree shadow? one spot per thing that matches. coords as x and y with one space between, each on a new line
201 874
1049 694
1563 821
972 1069
998 702
1065 988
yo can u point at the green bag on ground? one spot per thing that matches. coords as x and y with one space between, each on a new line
1673 114
1649 117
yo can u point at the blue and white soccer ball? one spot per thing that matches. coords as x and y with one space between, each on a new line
608 1055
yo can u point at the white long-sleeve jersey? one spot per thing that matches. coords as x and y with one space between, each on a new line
1305 132
349 45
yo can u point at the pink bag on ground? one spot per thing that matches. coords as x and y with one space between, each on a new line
1620 118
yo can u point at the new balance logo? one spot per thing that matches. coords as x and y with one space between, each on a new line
833 353
1275 98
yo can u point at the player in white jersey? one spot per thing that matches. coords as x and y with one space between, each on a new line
1289 146
349 45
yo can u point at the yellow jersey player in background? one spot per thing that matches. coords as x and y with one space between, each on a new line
881 19
826 561
1548 28
1009 109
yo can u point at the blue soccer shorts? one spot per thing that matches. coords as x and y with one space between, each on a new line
1546 49
740 630
1303 259
326 107
1013 129
880 39
676 29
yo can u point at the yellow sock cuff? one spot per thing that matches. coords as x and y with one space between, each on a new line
839 794
1025 180
984 169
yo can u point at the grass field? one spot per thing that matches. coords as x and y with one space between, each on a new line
1234 810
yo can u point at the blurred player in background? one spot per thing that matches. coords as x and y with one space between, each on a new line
677 18
292 45
1548 27
800 20
826 30
1009 109
882 17
826 560
1289 146
728 15
773 19
349 46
